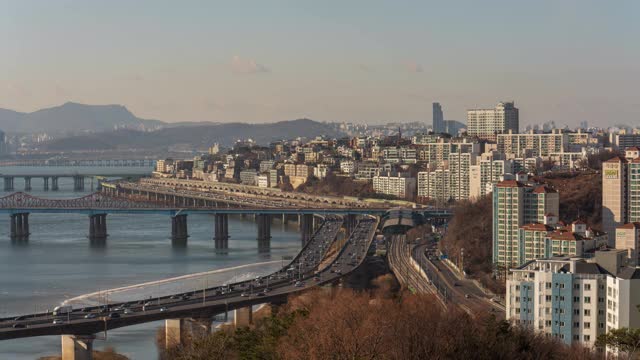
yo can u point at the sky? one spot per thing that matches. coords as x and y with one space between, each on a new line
364 61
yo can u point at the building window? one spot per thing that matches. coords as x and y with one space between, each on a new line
576 299
587 312
587 299
587 325
576 324
587 287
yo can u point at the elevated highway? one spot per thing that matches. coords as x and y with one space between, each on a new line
301 274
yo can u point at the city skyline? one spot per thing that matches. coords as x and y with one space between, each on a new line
378 63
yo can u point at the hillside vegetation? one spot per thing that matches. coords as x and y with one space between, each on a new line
345 324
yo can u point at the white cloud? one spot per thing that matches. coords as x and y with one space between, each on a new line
247 66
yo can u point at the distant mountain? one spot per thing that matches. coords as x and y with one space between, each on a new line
73 117
197 136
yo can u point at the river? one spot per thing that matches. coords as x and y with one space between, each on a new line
58 262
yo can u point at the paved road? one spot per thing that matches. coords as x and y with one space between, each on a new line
301 274
462 292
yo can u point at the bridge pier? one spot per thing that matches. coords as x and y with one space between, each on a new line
46 183
264 232
351 221
179 331
98 226
77 347
54 183
27 183
78 183
8 183
19 226
243 317
179 231
221 231
306 227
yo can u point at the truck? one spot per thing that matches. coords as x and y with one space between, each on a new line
62 310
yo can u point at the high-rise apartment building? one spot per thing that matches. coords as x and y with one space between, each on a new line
562 297
438 119
434 185
516 203
620 191
533 144
400 186
487 123
575 300
460 175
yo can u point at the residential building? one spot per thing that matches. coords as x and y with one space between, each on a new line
561 297
437 152
550 239
460 175
266 165
489 170
275 177
248 177
262 180
540 144
434 185
401 186
348 167
628 238
620 191
487 123
624 140
574 299
516 203
321 171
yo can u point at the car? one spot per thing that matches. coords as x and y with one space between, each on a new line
175 297
260 294
90 316
128 311
148 303
266 290
58 321
185 297
163 309
244 294
114 315
19 318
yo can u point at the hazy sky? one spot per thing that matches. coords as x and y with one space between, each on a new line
346 60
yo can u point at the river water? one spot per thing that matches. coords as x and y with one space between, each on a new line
59 263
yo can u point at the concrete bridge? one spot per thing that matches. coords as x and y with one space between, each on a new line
98 205
193 311
147 163
246 190
51 181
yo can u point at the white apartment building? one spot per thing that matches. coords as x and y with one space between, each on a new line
262 180
574 299
489 170
400 186
532 143
620 191
487 123
437 153
321 171
348 167
434 185
562 297
460 175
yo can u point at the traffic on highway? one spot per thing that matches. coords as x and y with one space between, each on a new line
300 274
